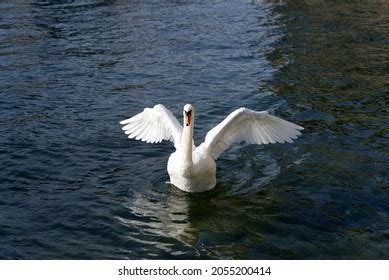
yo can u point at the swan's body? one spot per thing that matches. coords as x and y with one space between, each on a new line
196 177
191 168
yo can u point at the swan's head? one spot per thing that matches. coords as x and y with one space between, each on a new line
188 114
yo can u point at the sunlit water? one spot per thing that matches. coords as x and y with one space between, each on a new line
73 186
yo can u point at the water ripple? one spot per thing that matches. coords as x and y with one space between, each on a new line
72 186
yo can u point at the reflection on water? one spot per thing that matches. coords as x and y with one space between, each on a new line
163 212
72 186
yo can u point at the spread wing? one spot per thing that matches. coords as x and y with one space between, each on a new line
252 127
153 125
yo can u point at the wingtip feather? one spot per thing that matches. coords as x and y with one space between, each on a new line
126 121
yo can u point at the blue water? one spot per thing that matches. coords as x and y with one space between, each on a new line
72 186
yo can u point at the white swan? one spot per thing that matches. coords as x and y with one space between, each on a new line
193 169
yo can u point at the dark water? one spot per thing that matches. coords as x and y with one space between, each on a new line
73 186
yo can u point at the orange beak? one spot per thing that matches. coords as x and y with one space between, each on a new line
187 120
187 117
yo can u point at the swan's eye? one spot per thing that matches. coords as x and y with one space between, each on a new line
188 114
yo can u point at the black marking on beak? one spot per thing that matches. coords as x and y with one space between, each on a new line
188 117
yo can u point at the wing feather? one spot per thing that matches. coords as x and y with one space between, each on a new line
252 127
153 125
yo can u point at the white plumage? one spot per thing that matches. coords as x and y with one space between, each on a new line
153 126
193 169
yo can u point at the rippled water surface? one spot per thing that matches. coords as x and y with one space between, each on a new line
73 186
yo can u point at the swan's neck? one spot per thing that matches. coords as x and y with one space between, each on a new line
187 143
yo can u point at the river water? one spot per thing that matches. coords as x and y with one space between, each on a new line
72 186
